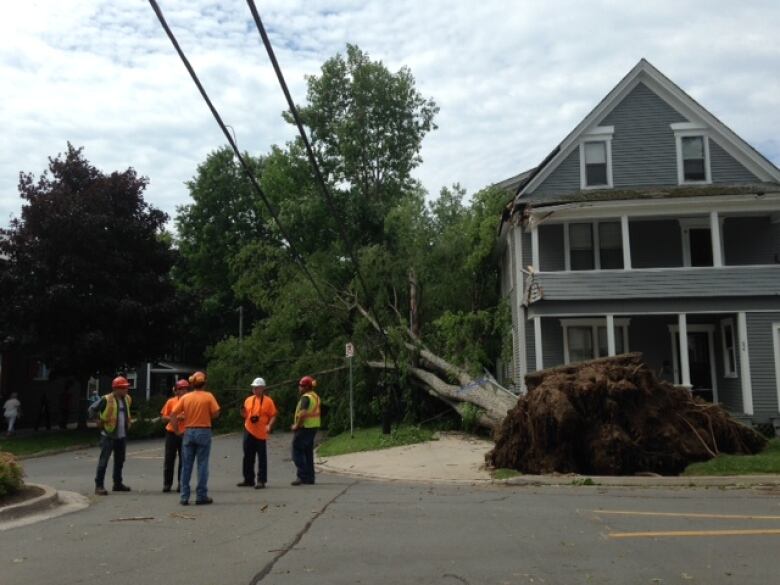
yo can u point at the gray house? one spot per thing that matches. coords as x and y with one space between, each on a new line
655 228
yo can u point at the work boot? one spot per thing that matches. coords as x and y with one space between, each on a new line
260 486
166 489
296 482
204 502
245 484
120 487
101 491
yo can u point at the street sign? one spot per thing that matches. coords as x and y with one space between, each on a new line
350 350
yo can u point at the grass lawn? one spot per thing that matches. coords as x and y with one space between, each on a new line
372 439
504 473
768 461
37 442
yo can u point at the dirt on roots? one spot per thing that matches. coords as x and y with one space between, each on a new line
612 416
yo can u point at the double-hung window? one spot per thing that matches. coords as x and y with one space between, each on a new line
595 245
596 158
586 339
729 348
693 153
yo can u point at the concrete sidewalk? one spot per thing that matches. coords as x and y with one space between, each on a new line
460 458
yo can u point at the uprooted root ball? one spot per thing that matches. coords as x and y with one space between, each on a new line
612 416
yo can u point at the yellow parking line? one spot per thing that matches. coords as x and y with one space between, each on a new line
686 515
679 533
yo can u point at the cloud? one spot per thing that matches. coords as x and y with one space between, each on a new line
512 79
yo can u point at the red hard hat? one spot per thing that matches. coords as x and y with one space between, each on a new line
182 384
308 382
198 379
120 382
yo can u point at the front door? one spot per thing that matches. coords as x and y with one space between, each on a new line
699 362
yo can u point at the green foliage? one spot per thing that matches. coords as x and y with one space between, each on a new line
768 461
87 283
36 443
505 473
372 439
470 416
10 475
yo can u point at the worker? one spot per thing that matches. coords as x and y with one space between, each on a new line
196 410
259 413
305 426
114 420
173 435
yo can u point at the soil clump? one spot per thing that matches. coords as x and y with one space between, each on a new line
612 416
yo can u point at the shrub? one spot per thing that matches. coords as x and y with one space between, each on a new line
10 475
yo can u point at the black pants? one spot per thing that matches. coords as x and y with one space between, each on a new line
107 446
303 454
254 447
172 451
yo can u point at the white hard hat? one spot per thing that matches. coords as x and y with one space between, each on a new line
258 382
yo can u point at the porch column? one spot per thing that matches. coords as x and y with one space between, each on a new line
611 335
626 242
744 364
685 367
717 255
518 348
538 343
535 247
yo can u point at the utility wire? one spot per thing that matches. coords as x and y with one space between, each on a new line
329 201
291 246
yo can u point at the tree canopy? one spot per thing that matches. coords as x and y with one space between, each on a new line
86 285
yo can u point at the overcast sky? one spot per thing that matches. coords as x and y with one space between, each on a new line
511 78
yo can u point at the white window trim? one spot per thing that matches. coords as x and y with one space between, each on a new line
132 378
727 371
597 134
594 324
687 130
596 244
674 331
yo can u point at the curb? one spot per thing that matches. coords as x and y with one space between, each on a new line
730 481
49 499
324 468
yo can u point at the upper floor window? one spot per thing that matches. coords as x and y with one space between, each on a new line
596 158
594 245
693 153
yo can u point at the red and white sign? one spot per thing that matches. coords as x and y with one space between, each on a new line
350 350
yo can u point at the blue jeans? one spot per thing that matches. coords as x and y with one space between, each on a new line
107 446
196 443
303 454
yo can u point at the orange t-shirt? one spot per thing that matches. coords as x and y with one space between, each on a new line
265 409
167 410
198 407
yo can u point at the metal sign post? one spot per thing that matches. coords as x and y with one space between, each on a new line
350 353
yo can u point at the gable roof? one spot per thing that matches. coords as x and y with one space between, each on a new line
666 89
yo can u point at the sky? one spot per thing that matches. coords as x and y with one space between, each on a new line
512 78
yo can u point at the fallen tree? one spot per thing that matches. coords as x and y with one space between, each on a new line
612 416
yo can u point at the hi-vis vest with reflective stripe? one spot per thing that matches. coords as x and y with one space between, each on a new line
110 413
311 416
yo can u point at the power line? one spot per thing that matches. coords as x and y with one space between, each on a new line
287 239
313 159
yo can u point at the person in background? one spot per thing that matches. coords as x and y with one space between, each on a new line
305 426
12 410
173 436
114 420
259 413
197 409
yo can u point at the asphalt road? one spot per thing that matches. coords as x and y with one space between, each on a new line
343 531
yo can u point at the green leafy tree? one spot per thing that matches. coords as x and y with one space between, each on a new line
86 285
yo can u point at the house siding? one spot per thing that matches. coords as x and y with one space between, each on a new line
656 244
564 179
643 145
762 364
726 169
551 251
672 283
751 240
